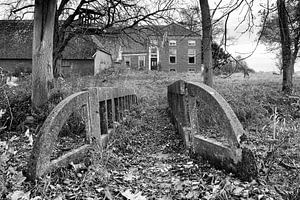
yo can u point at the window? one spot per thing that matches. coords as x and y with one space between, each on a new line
127 61
172 43
191 56
153 50
141 62
192 70
191 43
173 53
154 42
172 70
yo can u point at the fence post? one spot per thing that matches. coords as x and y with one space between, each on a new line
94 117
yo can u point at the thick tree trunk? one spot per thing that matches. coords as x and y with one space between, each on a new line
287 64
207 41
42 71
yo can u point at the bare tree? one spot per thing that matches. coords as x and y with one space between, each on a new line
271 34
207 41
286 23
42 74
287 75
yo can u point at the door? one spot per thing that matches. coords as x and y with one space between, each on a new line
153 64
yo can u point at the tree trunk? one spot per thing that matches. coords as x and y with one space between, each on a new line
207 41
287 65
60 41
42 60
57 60
57 52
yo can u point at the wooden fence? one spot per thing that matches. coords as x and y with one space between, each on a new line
209 127
99 107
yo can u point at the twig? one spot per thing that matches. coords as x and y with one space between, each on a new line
275 123
287 166
10 112
282 193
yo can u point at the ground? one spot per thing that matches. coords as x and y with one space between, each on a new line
146 159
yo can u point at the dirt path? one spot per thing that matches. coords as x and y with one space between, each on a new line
146 160
154 165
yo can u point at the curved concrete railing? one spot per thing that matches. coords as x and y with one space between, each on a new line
209 127
100 108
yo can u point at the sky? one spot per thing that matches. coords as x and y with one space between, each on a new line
244 44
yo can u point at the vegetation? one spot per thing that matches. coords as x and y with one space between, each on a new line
146 158
270 34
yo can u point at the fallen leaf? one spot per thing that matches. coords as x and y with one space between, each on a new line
11 81
20 195
29 137
60 197
238 191
36 198
165 198
192 195
128 177
131 196
4 157
13 138
108 195
78 167
179 186
99 189
2 112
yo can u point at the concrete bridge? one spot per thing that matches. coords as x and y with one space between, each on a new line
207 124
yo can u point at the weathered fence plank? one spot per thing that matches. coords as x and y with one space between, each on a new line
93 114
209 126
89 102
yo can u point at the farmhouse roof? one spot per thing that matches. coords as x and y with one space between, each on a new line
175 29
16 42
172 29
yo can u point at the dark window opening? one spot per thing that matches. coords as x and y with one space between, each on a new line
172 59
192 60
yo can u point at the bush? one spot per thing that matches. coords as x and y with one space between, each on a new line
21 71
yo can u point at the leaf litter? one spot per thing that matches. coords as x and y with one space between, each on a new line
147 161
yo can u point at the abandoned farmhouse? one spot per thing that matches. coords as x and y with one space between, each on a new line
165 47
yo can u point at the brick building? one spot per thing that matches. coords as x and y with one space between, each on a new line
166 48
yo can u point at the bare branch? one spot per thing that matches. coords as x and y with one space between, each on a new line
22 8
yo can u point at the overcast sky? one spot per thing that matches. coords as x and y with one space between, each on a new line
244 44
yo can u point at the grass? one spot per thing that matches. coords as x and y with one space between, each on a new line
275 140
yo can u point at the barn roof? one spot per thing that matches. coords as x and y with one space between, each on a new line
16 42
